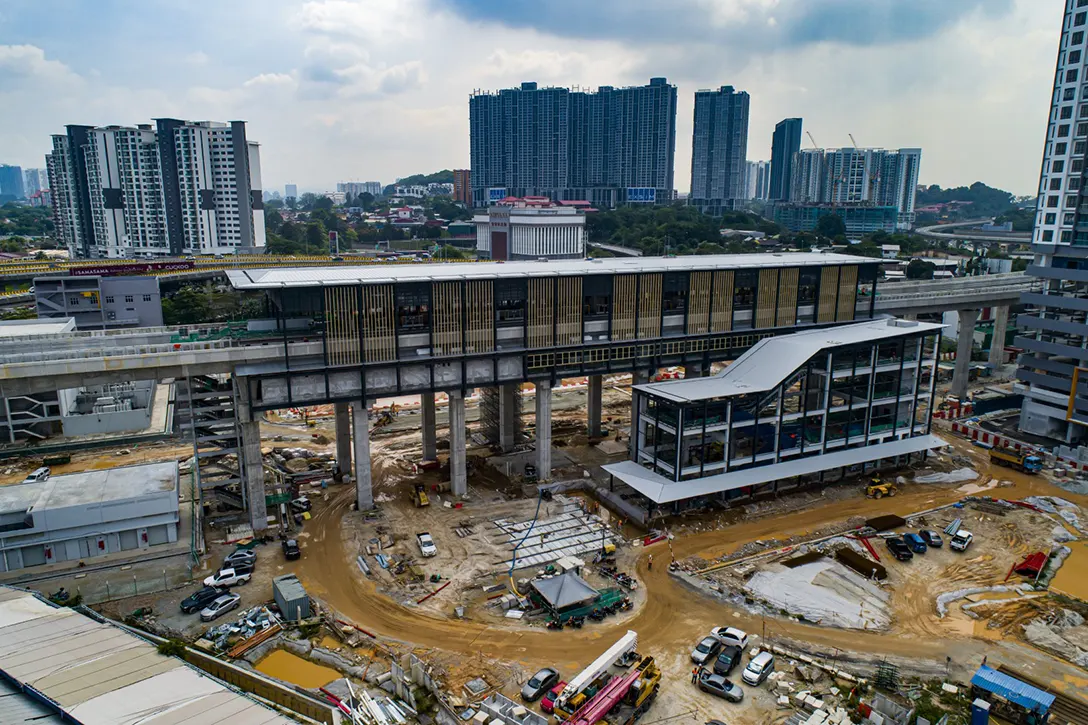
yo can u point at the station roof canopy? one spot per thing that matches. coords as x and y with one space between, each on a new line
97 672
563 591
660 490
1026 696
274 278
773 359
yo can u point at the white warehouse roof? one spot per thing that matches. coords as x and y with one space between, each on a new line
91 487
100 673
772 359
273 278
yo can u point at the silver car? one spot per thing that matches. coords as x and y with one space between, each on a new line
219 607
240 558
538 684
706 650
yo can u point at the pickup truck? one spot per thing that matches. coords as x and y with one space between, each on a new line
230 577
426 544
961 540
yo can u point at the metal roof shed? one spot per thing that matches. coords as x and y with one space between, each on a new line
1009 688
564 591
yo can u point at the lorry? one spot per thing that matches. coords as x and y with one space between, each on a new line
593 679
1019 460
624 699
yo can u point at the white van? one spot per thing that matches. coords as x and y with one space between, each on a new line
38 475
759 669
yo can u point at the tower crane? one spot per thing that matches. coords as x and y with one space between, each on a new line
814 144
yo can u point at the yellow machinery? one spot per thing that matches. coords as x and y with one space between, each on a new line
879 488
419 496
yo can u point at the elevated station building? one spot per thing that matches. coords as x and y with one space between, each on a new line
790 409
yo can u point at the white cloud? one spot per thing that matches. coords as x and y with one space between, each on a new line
378 88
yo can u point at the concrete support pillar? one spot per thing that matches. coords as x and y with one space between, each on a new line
593 405
364 493
253 474
508 412
544 430
343 439
963 352
997 343
458 464
430 439
639 377
251 464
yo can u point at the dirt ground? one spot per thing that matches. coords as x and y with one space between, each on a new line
671 617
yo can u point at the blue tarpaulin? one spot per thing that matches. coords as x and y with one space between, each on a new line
1028 697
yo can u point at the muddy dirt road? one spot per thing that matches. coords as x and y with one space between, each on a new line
673 616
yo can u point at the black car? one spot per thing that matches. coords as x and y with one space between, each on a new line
727 659
899 549
932 538
291 551
200 599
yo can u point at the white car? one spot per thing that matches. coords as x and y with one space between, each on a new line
426 544
731 636
961 540
219 606
229 577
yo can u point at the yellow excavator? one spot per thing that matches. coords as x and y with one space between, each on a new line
879 488
419 496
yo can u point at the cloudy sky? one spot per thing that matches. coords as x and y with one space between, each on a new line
374 89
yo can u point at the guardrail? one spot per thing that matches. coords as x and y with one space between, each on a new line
84 354
962 292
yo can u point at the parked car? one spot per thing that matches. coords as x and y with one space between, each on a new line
759 669
899 549
727 659
200 599
538 684
301 504
932 538
229 577
547 703
38 475
961 540
242 557
426 544
291 550
731 636
706 650
718 685
220 606
915 543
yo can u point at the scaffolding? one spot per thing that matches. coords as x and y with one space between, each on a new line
206 413
491 412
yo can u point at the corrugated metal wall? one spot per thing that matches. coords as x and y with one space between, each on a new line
380 342
624 299
721 310
568 307
699 302
848 287
765 298
480 309
541 313
649 306
829 288
446 318
342 325
787 297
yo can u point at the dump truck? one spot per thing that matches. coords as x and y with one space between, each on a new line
1018 460
623 700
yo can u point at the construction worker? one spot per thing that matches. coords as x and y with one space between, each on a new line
694 674
650 562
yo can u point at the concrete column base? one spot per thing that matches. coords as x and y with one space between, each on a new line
343 438
253 474
430 439
593 405
997 342
543 431
967 320
364 493
508 411
458 464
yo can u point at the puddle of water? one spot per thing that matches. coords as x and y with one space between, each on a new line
289 667
330 642
1072 578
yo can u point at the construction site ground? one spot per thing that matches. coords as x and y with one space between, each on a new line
669 615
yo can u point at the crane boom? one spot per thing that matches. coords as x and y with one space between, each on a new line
853 141
595 709
814 144
625 644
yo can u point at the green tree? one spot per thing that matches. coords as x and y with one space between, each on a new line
366 200
306 201
273 220
830 226
323 202
187 306
448 251
316 236
920 269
